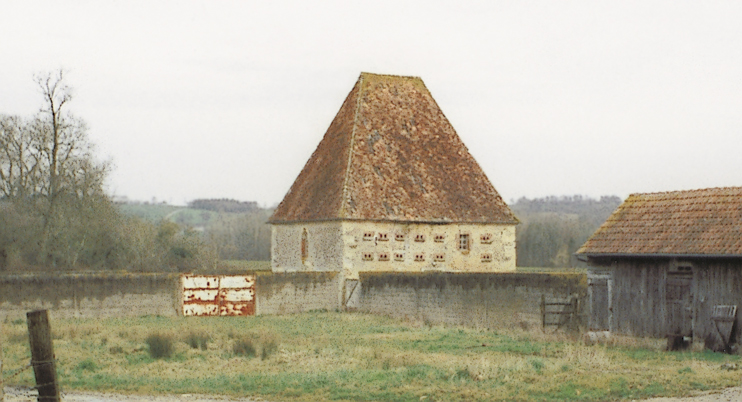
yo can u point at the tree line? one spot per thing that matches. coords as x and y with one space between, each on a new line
54 213
552 228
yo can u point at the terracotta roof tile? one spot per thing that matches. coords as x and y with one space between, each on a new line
391 155
697 222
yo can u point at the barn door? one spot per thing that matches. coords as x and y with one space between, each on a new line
679 302
599 296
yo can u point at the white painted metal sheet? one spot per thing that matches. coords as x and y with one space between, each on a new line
218 295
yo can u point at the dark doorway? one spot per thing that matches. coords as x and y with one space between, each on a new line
679 303
599 296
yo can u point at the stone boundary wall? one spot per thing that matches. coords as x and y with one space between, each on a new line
480 300
90 294
296 292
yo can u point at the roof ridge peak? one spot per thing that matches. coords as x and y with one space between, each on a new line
344 202
697 190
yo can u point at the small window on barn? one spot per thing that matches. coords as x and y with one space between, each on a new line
439 238
368 236
420 238
420 257
399 237
486 257
383 256
486 238
368 256
304 247
383 237
439 257
398 256
464 242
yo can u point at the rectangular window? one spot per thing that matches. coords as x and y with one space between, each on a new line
368 236
439 238
420 238
486 257
399 237
439 257
464 242
486 238
420 257
383 256
383 237
398 256
368 256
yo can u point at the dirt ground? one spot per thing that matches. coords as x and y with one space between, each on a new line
27 395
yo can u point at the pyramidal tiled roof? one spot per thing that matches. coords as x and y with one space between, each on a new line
696 222
391 155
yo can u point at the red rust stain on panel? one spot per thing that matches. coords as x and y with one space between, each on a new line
228 295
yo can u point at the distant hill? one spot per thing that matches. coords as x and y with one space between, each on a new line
235 230
224 205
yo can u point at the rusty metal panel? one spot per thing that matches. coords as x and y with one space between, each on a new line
223 295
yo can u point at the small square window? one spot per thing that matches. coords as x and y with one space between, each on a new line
439 238
420 257
399 237
486 257
439 257
368 236
464 242
398 256
383 256
420 238
486 238
368 256
383 237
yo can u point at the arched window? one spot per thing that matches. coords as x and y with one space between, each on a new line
304 247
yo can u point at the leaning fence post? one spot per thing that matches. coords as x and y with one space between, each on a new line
42 355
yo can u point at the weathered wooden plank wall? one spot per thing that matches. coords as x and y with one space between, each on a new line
720 283
639 290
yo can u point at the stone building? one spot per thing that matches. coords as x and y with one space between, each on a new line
391 187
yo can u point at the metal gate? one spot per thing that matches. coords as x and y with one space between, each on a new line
218 295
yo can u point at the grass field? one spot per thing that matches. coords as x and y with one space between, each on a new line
346 356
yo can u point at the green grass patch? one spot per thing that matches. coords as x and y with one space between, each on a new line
323 356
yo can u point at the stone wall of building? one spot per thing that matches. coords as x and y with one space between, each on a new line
406 247
481 300
323 242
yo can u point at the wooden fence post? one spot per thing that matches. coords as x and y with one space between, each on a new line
42 355
2 383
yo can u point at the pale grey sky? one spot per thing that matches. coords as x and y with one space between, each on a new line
203 99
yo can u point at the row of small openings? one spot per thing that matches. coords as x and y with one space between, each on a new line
418 257
485 238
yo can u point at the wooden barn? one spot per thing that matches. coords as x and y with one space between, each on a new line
669 265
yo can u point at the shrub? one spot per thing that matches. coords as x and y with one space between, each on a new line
87 364
160 346
268 347
197 340
244 347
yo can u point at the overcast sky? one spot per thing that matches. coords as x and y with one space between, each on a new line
204 99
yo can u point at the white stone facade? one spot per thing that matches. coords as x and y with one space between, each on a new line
358 246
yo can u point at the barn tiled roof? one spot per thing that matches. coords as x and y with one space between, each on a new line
391 155
698 222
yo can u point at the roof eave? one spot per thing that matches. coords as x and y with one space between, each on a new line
656 255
